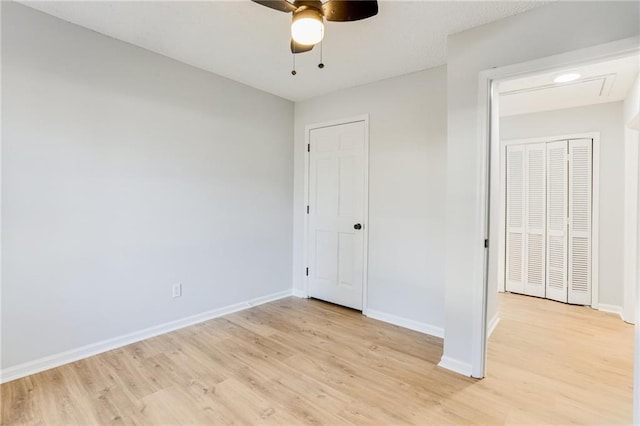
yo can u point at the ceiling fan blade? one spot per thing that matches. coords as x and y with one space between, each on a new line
300 48
349 10
281 5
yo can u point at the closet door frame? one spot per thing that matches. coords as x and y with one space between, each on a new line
595 217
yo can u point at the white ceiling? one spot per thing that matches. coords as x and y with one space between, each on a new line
602 82
249 43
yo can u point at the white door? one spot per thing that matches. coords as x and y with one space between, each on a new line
337 213
515 219
526 219
549 209
557 221
580 171
535 219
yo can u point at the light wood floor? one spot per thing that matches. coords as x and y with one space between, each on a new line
307 362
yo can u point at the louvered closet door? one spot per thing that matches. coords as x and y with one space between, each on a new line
515 219
557 221
535 219
579 282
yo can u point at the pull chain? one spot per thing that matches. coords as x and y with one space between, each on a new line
293 71
320 65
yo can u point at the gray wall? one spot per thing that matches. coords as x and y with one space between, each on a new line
124 172
608 121
532 35
407 158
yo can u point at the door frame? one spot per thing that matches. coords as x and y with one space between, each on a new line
305 246
595 207
631 218
488 139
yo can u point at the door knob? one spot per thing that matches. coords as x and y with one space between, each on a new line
357 226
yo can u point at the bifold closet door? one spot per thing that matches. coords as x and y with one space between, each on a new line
515 252
549 197
526 218
557 210
535 219
579 229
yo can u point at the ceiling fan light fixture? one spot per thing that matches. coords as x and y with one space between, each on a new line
566 77
307 27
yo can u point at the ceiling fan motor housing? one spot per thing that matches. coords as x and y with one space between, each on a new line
307 4
307 12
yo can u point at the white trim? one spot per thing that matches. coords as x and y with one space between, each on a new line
630 222
455 365
491 327
636 291
595 213
595 220
299 293
365 259
551 138
56 360
422 327
498 235
487 140
1 210
488 108
613 309
1 186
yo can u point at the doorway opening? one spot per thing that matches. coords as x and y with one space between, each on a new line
550 222
564 215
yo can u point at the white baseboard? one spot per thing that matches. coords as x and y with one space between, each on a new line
56 360
455 365
612 309
493 323
299 293
406 323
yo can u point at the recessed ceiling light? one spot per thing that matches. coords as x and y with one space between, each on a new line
565 78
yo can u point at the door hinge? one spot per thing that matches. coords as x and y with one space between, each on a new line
308 147
307 209
486 243
307 272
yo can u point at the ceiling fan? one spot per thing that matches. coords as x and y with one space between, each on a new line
307 26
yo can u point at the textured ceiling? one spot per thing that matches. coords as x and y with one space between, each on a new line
249 43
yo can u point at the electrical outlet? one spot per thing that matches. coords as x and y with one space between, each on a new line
176 290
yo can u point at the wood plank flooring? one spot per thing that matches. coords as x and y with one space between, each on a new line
298 361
